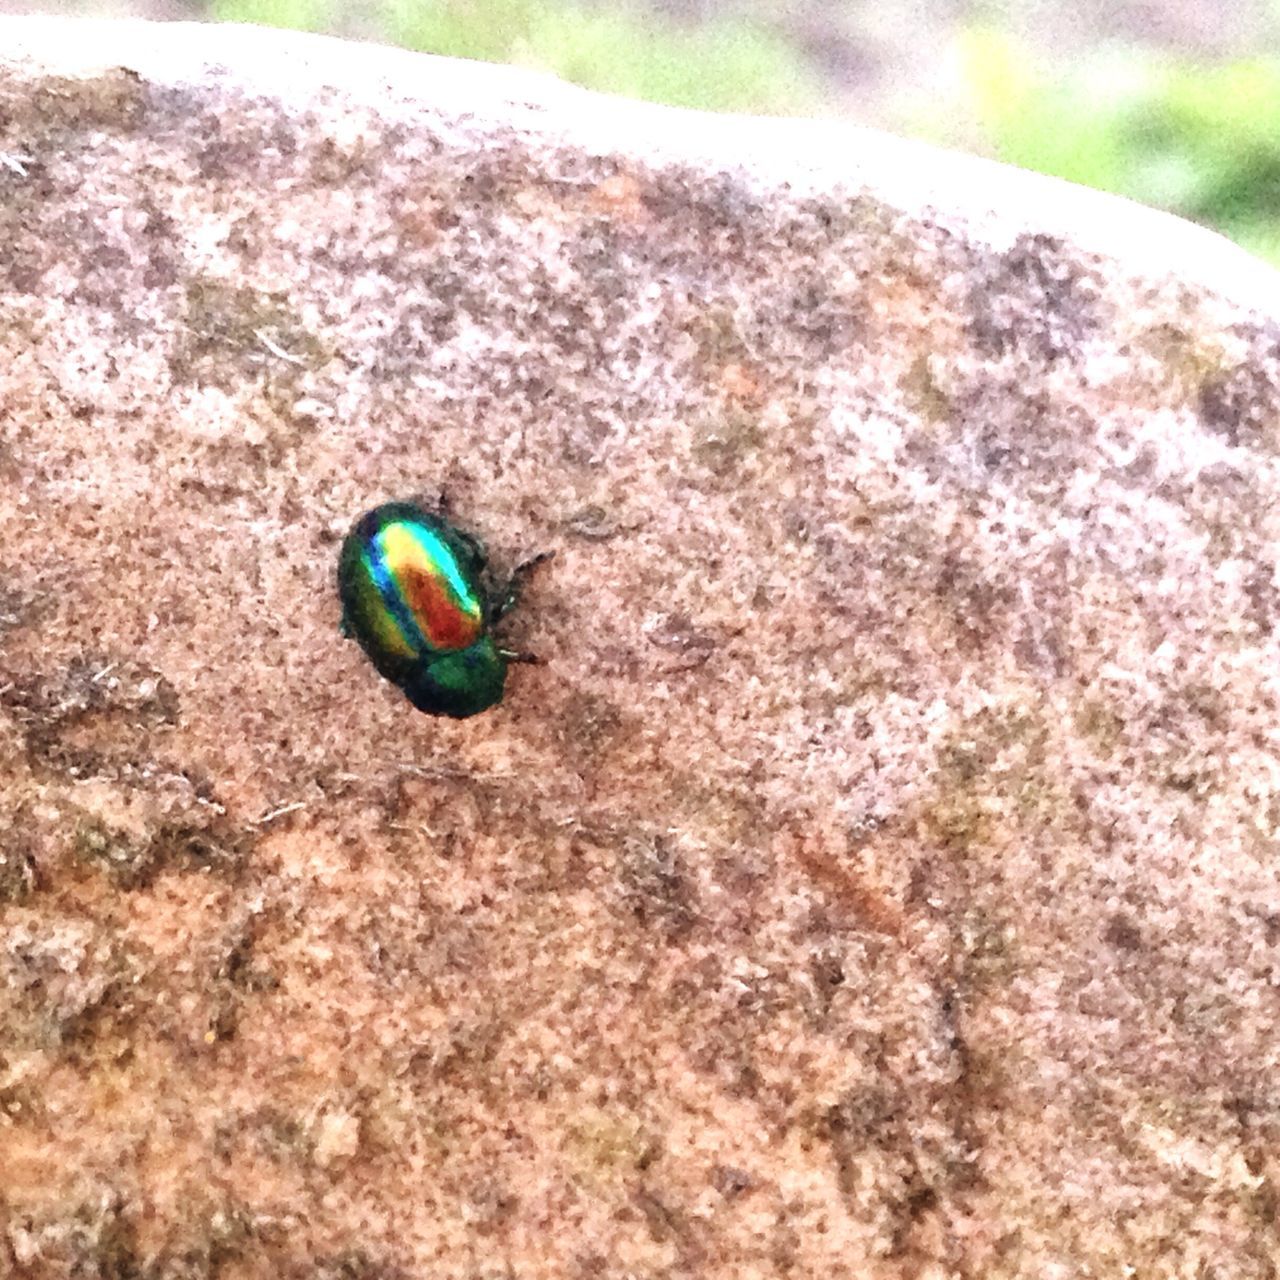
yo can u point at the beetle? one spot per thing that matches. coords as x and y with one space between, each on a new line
418 598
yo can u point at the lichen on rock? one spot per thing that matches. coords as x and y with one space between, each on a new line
878 877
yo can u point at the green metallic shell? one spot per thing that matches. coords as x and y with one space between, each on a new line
459 684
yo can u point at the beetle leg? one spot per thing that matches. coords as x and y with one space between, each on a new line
529 659
515 585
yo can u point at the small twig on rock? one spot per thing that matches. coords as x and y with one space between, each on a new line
272 814
275 348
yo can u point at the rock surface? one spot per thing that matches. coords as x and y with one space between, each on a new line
880 877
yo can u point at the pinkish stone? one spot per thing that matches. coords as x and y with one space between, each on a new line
880 878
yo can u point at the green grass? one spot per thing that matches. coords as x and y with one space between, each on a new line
720 66
1200 141
294 15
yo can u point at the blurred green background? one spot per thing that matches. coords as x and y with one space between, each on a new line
1175 103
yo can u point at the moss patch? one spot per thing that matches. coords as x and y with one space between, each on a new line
722 442
655 886
1101 726
232 333
126 695
132 860
126 860
17 867
607 1143
922 393
114 101
992 776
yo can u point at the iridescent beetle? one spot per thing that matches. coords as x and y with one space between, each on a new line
417 597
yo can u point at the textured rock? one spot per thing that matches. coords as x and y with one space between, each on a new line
880 877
